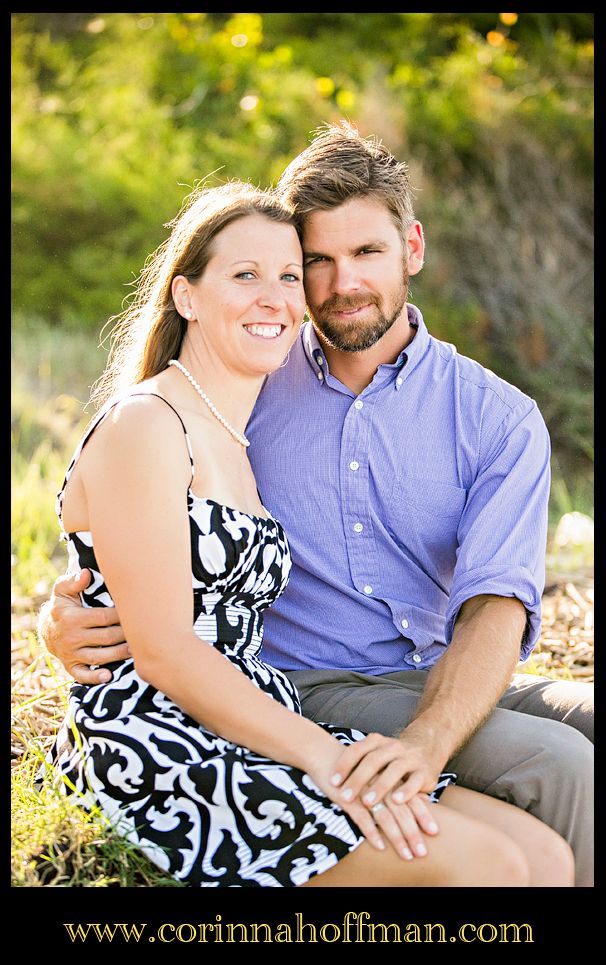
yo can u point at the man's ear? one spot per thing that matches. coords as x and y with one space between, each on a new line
415 247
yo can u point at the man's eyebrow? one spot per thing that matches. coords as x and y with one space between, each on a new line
353 251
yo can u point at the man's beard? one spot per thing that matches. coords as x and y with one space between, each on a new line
358 335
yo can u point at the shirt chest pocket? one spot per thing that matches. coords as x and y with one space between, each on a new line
423 516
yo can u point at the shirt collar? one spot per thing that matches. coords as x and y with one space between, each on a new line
416 349
314 352
406 360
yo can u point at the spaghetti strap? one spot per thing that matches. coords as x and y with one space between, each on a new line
189 448
96 421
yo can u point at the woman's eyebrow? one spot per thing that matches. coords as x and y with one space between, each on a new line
255 264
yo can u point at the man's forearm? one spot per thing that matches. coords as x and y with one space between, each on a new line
464 686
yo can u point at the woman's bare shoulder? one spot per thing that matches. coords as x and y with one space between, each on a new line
141 421
143 406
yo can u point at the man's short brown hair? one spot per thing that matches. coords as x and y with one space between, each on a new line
340 165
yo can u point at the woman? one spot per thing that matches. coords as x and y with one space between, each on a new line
196 750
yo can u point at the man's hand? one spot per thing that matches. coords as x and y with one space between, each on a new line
81 637
372 768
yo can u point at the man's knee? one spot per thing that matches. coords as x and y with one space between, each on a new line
567 751
580 712
554 771
567 701
515 755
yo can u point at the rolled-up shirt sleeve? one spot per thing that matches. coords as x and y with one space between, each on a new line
502 533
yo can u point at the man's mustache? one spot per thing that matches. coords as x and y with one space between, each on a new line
348 303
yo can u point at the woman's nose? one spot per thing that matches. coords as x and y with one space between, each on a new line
272 295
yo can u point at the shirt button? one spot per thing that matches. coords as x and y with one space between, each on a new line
398 382
358 527
354 465
320 360
358 404
368 589
320 375
405 624
416 658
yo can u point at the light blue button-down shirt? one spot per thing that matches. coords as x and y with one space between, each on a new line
428 488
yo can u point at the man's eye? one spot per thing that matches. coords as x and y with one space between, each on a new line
314 261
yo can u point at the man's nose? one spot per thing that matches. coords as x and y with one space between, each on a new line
345 278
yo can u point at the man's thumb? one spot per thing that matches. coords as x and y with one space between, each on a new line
74 583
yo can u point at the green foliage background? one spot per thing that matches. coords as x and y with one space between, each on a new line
116 116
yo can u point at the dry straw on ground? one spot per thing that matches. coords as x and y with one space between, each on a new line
566 647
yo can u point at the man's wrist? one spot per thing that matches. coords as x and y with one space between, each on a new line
431 738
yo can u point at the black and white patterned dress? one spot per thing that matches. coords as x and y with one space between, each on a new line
206 810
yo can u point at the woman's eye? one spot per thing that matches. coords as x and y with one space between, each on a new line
245 274
289 276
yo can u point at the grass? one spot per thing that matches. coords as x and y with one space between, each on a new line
56 843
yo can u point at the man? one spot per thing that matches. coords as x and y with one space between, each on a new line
413 485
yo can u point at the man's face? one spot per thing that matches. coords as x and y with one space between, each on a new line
356 273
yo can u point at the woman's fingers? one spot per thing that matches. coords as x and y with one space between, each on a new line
424 813
378 761
364 819
387 780
397 827
351 757
400 827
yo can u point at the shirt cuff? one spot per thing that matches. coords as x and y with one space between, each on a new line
508 581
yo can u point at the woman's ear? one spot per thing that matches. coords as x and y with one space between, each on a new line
182 296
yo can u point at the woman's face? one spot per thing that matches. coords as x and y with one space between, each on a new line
249 302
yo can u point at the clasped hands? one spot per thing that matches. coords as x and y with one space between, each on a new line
383 783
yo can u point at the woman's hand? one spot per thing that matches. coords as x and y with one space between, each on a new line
400 823
384 769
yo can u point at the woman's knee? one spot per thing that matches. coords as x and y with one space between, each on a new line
502 861
555 859
473 853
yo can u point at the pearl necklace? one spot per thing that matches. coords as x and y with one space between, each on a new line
240 438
